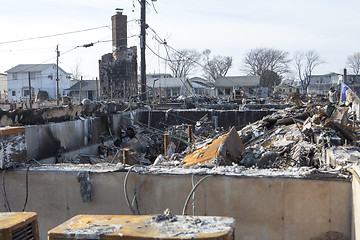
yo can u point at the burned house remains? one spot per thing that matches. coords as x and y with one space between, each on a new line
118 70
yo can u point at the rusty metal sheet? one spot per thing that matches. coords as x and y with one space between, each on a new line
6 131
227 147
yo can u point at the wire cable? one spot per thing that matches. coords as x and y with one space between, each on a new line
54 35
157 54
159 39
125 191
27 188
34 65
4 192
134 201
191 193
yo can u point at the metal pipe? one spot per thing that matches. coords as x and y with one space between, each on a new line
166 142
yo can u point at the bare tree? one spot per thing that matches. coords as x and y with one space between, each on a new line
215 67
182 63
76 69
305 64
353 61
259 60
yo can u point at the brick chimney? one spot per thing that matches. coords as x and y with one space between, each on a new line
119 30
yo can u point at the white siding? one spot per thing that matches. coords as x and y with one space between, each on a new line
40 81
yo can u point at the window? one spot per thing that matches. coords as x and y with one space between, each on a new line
15 76
13 93
32 76
176 91
168 92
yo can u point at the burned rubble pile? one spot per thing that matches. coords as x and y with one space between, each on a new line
295 137
58 113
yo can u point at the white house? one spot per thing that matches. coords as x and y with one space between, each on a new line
169 87
3 86
250 85
202 87
320 84
42 78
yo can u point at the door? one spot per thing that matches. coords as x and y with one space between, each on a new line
90 95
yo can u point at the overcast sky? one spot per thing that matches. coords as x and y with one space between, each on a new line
227 27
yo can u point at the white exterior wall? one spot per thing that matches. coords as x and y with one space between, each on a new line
320 84
3 86
42 81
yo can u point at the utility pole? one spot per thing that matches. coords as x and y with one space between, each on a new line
97 89
30 100
80 89
142 47
57 74
345 76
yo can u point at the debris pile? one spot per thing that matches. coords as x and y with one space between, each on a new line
294 137
302 135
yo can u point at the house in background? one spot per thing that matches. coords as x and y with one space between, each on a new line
89 89
250 85
157 75
353 81
320 84
286 89
168 87
202 87
42 77
3 87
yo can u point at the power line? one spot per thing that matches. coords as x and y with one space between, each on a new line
24 70
157 54
159 39
85 45
54 35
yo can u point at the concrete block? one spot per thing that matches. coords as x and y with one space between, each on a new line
13 148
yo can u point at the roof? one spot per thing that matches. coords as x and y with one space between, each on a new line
86 85
32 68
327 75
157 75
200 81
286 85
237 81
166 82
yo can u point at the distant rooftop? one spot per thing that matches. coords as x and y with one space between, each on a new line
32 68
237 81
86 85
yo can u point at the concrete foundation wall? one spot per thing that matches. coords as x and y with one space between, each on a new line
48 140
227 119
264 208
45 141
356 203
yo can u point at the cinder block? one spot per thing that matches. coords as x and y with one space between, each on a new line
13 147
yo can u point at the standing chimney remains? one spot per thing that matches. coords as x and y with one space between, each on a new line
119 30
